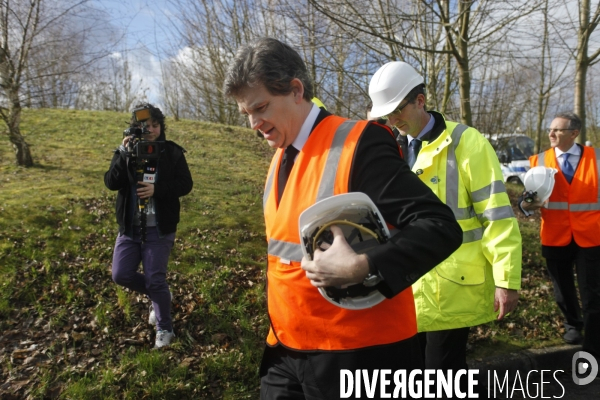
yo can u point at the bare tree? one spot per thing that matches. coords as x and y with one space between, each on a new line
497 98
20 25
583 60
593 109
31 67
212 31
118 89
335 60
400 25
49 80
171 88
550 75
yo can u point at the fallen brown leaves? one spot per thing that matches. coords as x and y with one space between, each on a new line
65 322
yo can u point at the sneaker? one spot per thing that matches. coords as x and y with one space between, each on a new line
152 316
163 338
573 336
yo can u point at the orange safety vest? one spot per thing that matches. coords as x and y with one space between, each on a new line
573 210
300 317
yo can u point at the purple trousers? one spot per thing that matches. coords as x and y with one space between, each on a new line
154 256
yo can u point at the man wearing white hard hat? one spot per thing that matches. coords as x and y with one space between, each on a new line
570 229
478 282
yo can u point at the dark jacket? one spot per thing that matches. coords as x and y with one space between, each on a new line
427 229
173 180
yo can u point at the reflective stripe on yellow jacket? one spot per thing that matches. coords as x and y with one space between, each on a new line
461 167
573 210
300 317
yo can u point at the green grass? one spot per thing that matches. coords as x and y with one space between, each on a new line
90 338
57 231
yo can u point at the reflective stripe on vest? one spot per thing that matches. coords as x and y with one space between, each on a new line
452 188
301 318
291 251
286 250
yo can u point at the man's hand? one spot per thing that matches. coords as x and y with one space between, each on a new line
534 205
339 265
505 300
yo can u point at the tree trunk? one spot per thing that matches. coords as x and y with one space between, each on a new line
540 119
21 147
579 100
13 121
542 98
464 73
464 81
583 60
447 88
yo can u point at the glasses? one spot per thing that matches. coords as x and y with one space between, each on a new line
550 130
396 111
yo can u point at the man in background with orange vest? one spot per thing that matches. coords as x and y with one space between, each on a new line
570 229
319 155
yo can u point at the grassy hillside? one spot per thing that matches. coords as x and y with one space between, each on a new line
66 330
61 314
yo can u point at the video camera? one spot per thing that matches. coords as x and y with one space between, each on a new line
137 146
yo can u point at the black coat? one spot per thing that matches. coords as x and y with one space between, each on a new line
173 180
427 229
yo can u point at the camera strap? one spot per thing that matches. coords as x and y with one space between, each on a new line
145 172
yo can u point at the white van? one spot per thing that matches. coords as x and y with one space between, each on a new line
513 151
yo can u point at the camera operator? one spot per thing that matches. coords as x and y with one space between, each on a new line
147 211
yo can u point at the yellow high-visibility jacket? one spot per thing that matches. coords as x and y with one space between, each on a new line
461 167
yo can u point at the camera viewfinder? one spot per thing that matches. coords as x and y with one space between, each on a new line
141 114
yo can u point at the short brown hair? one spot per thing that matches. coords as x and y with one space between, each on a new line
271 63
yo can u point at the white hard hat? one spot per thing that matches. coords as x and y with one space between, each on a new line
541 181
363 227
390 85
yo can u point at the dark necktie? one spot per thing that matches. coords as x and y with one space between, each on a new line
566 167
286 167
413 151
